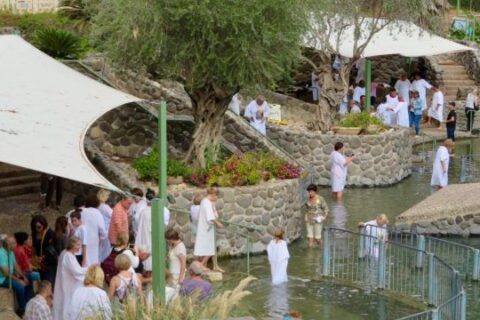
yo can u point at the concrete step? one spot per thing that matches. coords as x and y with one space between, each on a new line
15 172
455 76
450 67
447 62
10 191
19 180
460 83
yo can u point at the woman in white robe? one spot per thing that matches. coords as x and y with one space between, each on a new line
392 105
421 86
91 301
382 113
95 225
436 109
402 113
106 211
375 231
207 221
70 276
338 175
257 113
440 165
278 256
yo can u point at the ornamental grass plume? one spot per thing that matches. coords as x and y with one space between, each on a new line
219 307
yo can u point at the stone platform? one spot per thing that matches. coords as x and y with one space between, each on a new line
454 210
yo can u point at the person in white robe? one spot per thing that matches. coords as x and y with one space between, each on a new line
257 113
403 87
440 165
315 86
360 65
139 204
436 108
278 256
382 112
106 211
143 240
70 276
392 105
402 113
339 164
375 231
421 86
359 91
91 301
207 221
234 104
93 221
353 107
343 108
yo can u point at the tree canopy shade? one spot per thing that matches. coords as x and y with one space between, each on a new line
213 47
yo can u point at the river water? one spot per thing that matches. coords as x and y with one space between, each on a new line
317 298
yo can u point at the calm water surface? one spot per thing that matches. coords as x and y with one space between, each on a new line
317 298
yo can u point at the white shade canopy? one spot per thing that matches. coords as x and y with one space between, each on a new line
398 37
46 109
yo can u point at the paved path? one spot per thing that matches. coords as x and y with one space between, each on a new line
450 202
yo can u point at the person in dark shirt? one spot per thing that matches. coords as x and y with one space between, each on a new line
451 121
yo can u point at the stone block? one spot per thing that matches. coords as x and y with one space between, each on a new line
244 200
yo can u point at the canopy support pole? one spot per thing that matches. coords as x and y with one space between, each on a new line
158 226
368 84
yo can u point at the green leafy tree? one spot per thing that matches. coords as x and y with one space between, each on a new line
213 47
330 20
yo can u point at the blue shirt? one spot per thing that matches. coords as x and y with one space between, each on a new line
418 107
5 263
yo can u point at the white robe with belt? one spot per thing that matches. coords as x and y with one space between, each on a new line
338 171
95 225
70 276
440 178
90 303
403 89
105 247
402 114
436 109
205 239
278 256
259 114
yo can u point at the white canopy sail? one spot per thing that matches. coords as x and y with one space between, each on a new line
46 109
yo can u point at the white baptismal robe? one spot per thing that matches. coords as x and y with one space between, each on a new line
421 86
402 114
383 114
260 114
440 178
278 256
205 239
376 234
105 247
135 209
436 109
392 102
338 170
93 221
90 303
70 276
403 89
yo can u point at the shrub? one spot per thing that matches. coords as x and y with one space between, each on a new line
59 43
360 120
30 23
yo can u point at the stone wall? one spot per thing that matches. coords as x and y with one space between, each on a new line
471 60
380 160
267 206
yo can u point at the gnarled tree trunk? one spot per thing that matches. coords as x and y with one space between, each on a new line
209 109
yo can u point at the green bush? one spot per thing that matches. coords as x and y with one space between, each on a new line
360 120
59 43
30 23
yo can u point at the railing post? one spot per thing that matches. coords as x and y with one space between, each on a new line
435 314
432 285
381 264
248 255
463 311
326 252
475 271
420 253
361 242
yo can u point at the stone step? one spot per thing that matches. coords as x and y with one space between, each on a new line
455 76
447 62
19 180
458 83
10 191
453 68
14 172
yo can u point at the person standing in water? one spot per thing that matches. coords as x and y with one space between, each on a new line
339 164
278 256
317 211
440 165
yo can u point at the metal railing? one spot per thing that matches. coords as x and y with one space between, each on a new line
374 262
470 168
304 181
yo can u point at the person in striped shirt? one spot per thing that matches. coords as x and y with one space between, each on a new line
119 221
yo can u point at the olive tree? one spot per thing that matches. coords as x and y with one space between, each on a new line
330 21
213 47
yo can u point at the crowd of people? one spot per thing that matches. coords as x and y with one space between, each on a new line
97 254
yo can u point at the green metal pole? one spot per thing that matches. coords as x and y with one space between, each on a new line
368 83
458 7
158 226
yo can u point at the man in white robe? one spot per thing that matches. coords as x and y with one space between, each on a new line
392 105
421 86
207 221
70 276
143 240
382 113
278 256
403 87
338 170
440 165
359 91
93 221
436 108
375 232
138 205
257 113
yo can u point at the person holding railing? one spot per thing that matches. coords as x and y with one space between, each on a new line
375 231
317 211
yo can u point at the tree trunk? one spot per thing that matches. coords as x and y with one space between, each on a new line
209 109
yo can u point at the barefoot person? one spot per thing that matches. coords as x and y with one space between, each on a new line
317 211
339 170
440 165
207 221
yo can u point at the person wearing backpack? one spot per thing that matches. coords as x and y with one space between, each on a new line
126 282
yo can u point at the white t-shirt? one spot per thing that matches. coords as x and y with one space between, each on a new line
175 264
194 213
81 233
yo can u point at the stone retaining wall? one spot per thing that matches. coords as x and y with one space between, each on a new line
380 159
471 60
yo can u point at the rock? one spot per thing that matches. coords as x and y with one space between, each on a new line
95 133
244 200
458 220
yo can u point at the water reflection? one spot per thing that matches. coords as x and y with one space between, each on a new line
277 303
339 215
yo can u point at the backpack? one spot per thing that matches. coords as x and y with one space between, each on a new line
108 265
